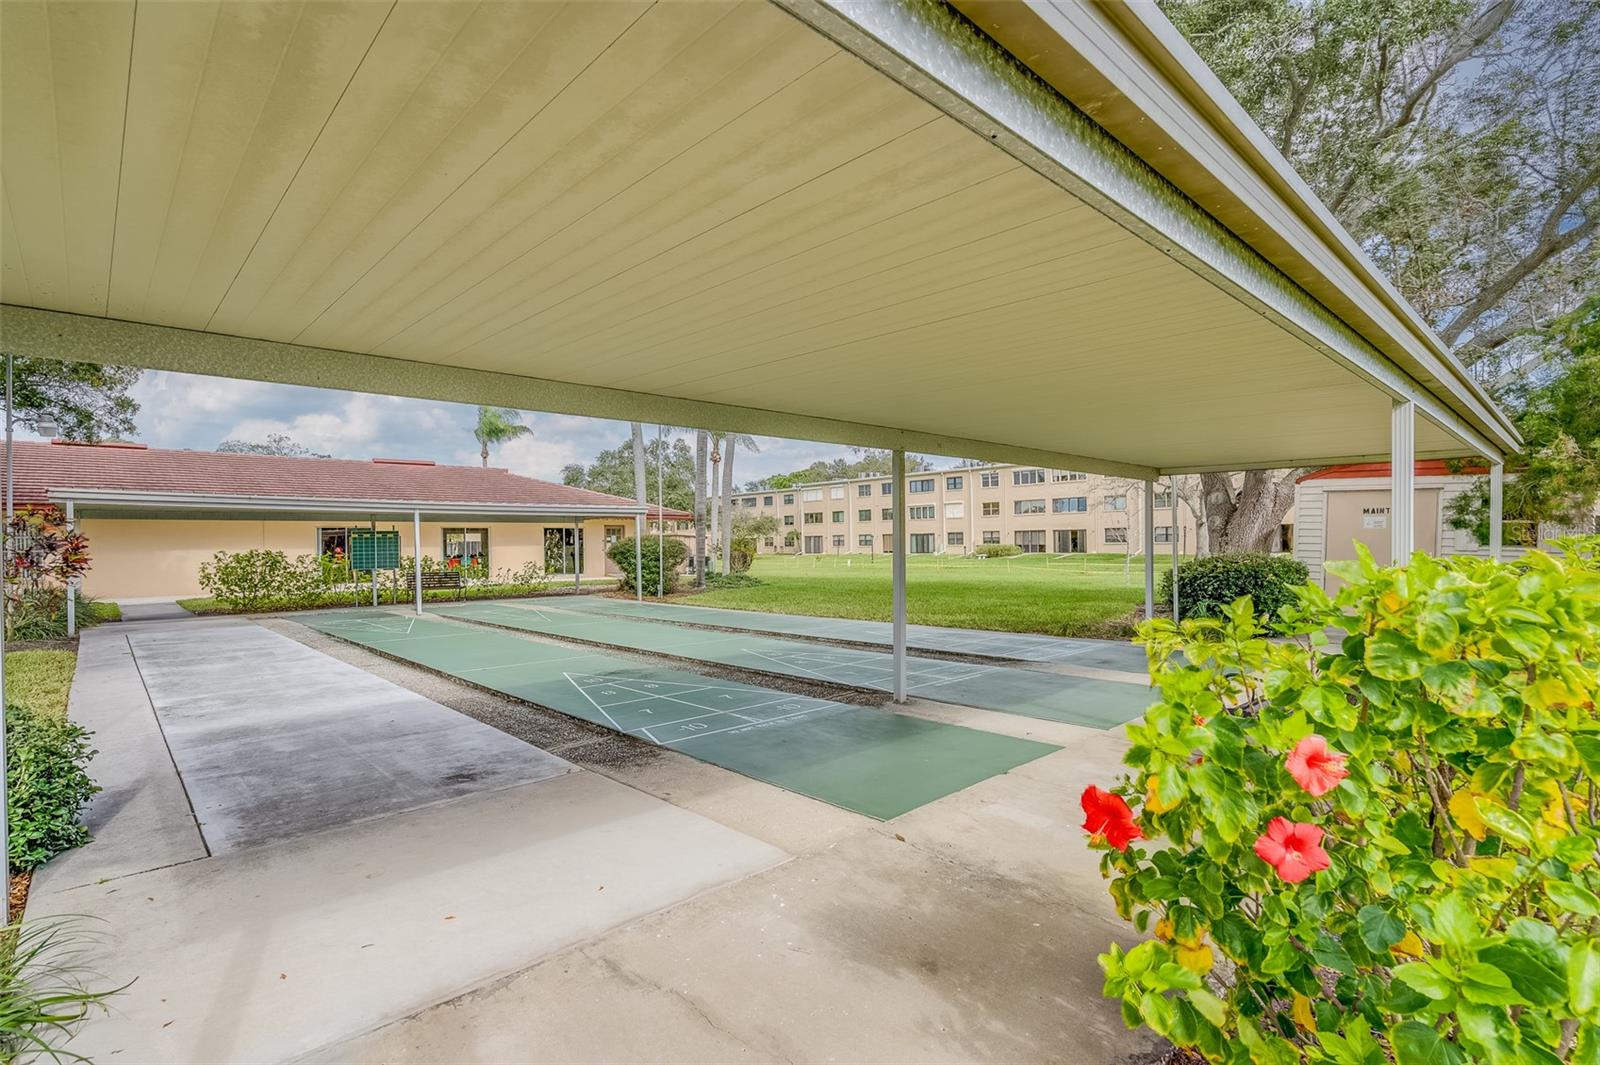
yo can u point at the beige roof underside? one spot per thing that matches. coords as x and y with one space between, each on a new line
700 200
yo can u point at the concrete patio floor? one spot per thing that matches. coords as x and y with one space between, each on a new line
639 908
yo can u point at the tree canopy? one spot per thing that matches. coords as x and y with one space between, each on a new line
612 471
868 462
275 444
86 400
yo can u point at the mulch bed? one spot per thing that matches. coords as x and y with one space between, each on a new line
20 883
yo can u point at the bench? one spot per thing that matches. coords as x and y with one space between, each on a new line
441 579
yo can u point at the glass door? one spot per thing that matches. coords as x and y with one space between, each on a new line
563 550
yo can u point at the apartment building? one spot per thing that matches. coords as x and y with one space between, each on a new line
954 510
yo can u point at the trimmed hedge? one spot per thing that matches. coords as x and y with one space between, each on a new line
621 553
1207 585
46 759
996 550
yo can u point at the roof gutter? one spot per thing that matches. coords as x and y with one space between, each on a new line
312 504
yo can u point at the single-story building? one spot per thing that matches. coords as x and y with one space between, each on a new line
1338 506
154 515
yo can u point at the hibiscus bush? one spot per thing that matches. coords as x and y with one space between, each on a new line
1374 840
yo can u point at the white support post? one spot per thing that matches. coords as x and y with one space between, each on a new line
374 573
1172 485
416 556
1497 492
638 557
72 584
1149 550
898 569
577 557
1402 481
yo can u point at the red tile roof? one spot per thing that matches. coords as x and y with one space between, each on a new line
136 468
1424 468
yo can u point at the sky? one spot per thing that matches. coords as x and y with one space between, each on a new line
191 411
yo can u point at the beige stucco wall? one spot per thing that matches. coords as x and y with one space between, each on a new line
137 558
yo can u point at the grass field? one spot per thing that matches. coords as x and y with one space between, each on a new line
1060 595
39 680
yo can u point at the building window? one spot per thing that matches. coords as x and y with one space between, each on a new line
1070 504
864 515
955 510
768 542
991 510
920 513
887 488
838 515
989 479
790 539
838 541
813 545
1031 541
766 501
1028 506
1071 541
1162 499
836 492
1116 502
991 536
955 539
952 484
811 495
788 519
921 484
1027 477
888 513
335 542
813 517
1068 475
1163 534
788 499
864 540
1118 535
750 501
863 489
921 544
470 547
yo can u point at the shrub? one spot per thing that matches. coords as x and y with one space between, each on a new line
256 580
741 552
653 551
43 993
46 758
1209 584
1377 848
41 613
996 550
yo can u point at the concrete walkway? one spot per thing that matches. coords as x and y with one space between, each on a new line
267 952
153 610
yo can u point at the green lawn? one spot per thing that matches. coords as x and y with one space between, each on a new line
1061 595
38 681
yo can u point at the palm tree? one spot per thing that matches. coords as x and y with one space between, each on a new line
496 425
731 443
701 443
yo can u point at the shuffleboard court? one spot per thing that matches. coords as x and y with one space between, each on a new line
874 762
1031 693
1019 646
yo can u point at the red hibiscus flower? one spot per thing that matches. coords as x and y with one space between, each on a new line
1314 767
1294 850
1108 816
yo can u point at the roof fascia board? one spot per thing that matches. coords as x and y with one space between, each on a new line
83 338
308 504
1128 67
1330 460
936 53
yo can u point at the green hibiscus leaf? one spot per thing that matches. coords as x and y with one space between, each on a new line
1391 656
1379 928
1534 969
1488 986
1583 979
1574 898
1437 631
1423 977
1415 1043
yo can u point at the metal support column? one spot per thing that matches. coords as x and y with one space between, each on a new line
898 569
1402 481
416 556
1497 493
72 584
638 557
1172 486
577 557
1149 550
374 572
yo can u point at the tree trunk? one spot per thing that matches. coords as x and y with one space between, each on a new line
485 454
1246 518
727 503
701 441
639 493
